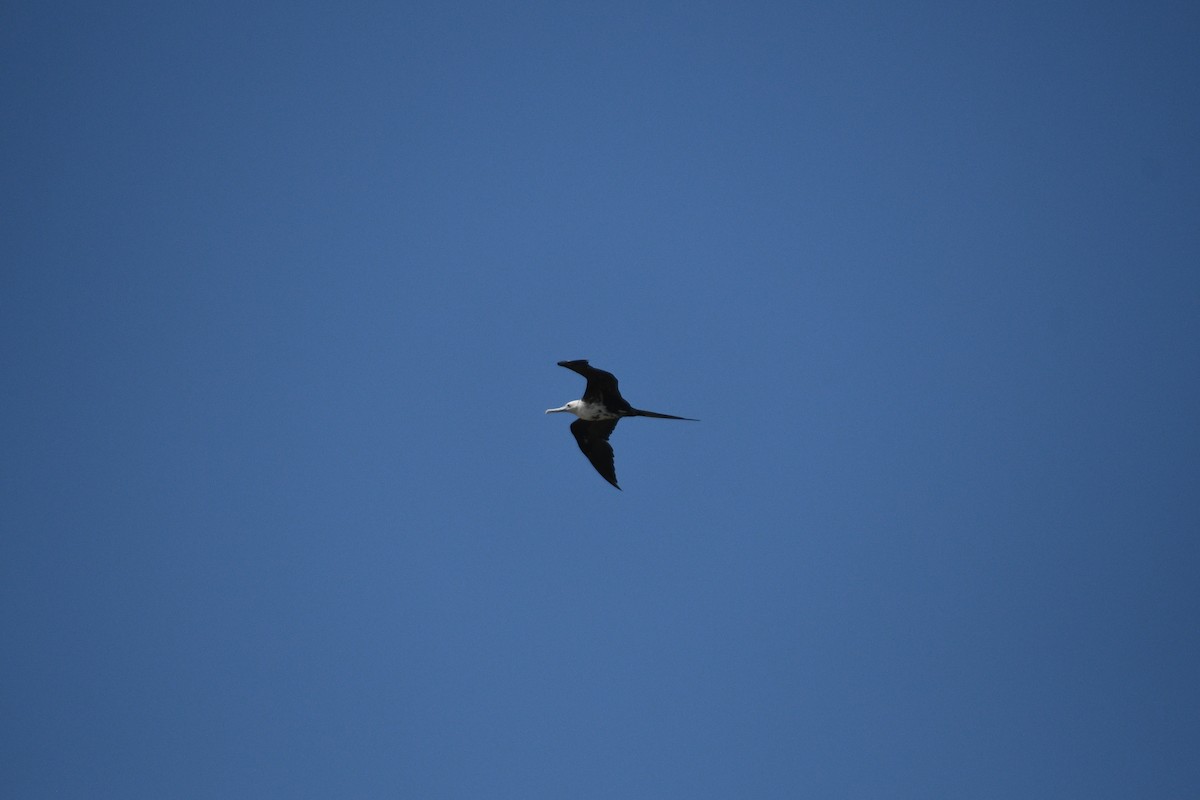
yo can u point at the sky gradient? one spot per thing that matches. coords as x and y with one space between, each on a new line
284 286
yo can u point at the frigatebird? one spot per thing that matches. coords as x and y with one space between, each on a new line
601 408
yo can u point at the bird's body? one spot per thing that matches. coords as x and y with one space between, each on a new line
599 411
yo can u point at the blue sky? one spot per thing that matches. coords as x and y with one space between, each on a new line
284 289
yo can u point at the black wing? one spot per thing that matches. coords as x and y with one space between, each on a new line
593 441
601 386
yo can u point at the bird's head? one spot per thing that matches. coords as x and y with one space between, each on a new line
570 408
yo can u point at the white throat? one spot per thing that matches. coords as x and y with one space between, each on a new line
585 411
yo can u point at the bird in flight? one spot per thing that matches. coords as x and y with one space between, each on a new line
601 408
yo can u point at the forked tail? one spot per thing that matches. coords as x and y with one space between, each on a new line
637 412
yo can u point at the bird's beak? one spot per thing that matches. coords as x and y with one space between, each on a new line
554 410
